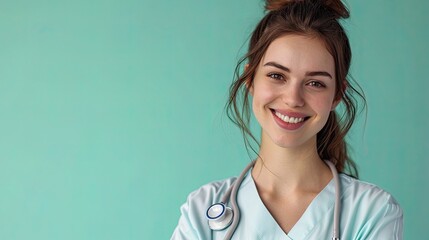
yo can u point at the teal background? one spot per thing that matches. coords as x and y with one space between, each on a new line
112 111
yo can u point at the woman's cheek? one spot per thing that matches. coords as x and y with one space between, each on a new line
265 93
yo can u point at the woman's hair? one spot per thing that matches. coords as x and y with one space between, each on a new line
314 18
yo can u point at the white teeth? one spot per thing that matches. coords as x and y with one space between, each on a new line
289 119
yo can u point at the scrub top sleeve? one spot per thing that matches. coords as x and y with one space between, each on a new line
193 222
385 224
184 230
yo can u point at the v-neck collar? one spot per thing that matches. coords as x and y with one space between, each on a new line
254 212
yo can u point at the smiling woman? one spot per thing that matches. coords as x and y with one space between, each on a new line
295 76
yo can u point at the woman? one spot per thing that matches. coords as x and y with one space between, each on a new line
296 75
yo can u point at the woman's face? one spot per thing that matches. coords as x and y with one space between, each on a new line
293 90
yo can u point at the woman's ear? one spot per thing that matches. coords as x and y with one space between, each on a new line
248 83
335 104
337 100
249 88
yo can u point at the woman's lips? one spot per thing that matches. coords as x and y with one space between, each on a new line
289 120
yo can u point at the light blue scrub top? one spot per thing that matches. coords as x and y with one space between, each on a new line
367 213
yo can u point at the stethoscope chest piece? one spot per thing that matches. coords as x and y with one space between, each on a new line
219 216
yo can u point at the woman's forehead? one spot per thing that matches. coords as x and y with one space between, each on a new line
299 52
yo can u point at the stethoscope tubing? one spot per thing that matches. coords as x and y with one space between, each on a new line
233 201
337 206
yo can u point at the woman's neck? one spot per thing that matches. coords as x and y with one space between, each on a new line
282 170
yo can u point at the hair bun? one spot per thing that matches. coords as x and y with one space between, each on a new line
337 7
273 5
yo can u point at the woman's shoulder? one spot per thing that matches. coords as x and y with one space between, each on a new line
369 211
369 202
357 189
211 192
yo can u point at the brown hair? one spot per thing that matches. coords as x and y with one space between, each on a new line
316 18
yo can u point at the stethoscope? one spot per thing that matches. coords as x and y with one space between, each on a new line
221 216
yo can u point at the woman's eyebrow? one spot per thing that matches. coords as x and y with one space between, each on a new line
277 65
309 74
318 73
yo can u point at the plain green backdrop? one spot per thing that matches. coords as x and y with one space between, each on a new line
111 112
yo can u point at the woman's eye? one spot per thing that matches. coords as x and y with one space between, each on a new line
275 76
316 84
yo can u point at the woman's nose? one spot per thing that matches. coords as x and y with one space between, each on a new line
293 96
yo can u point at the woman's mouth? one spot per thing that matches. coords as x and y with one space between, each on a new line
289 120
